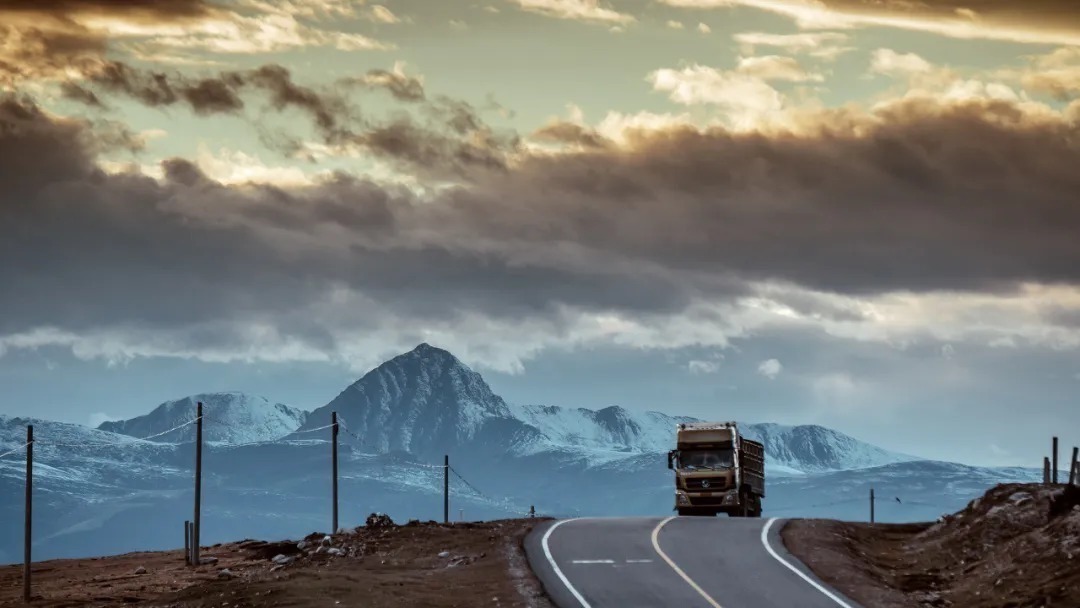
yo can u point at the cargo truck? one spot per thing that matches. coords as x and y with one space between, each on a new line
717 470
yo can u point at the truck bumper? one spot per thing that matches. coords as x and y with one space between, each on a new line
723 500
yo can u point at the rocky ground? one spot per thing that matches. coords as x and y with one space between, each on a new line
380 564
1015 547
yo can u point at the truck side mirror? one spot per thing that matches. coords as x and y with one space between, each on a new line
670 459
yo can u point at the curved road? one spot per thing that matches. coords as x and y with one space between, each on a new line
688 562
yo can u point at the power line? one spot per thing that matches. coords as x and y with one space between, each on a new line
18 449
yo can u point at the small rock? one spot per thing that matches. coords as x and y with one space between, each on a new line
444 554
302 545
282 560
320 550
140 570
327 540
334 551
208 560
275 569
226 573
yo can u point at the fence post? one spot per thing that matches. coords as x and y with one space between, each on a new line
334 436
871 505
1072 468
1054 470
27 555
446 489
187 542
195 529
1046 469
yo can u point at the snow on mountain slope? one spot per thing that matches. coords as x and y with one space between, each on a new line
602 434
425 401
228 418
610 429
812 448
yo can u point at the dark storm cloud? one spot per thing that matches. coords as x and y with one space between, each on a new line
905 201
445 138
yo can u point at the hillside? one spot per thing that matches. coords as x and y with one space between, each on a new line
229 418
1017 545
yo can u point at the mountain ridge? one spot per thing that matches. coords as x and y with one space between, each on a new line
247 418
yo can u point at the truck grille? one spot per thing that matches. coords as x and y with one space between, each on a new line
706 483
706 501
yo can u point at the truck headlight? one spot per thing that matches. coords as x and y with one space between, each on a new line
681 498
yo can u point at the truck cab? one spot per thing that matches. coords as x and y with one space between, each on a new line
717 470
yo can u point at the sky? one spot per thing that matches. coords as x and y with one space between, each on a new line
862 214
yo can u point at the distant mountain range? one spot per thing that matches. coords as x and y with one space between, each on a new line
266 467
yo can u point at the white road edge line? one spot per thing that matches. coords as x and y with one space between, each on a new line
555 567
678 570
772 552
593 561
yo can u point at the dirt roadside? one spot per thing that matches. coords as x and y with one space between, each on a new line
417 564
1016 547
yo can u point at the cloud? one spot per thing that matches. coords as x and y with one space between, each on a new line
891 63
770 368
668 235
1040 21
1056 73
445 137
53 39
742 97
675 25
382 14
395 81
577 10
711 365
822 45
703 28
774 67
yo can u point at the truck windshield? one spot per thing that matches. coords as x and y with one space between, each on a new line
705 459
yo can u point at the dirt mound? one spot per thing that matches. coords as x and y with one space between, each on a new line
1016 546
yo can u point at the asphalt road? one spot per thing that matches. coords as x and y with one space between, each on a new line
688 562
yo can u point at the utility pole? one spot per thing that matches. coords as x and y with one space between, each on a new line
871 505
334 434
446 490
1046 469
1055 469
187 542
195 529
1072 468
27 557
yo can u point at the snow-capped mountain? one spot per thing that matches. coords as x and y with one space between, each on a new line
231 417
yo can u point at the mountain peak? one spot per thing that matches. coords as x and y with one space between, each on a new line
424 402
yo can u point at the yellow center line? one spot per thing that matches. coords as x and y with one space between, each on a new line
675 567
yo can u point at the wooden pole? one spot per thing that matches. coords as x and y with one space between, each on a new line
1054 470
1072 468
334 435
446 489
1046 469
27 532
187 542
195 528
871 505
